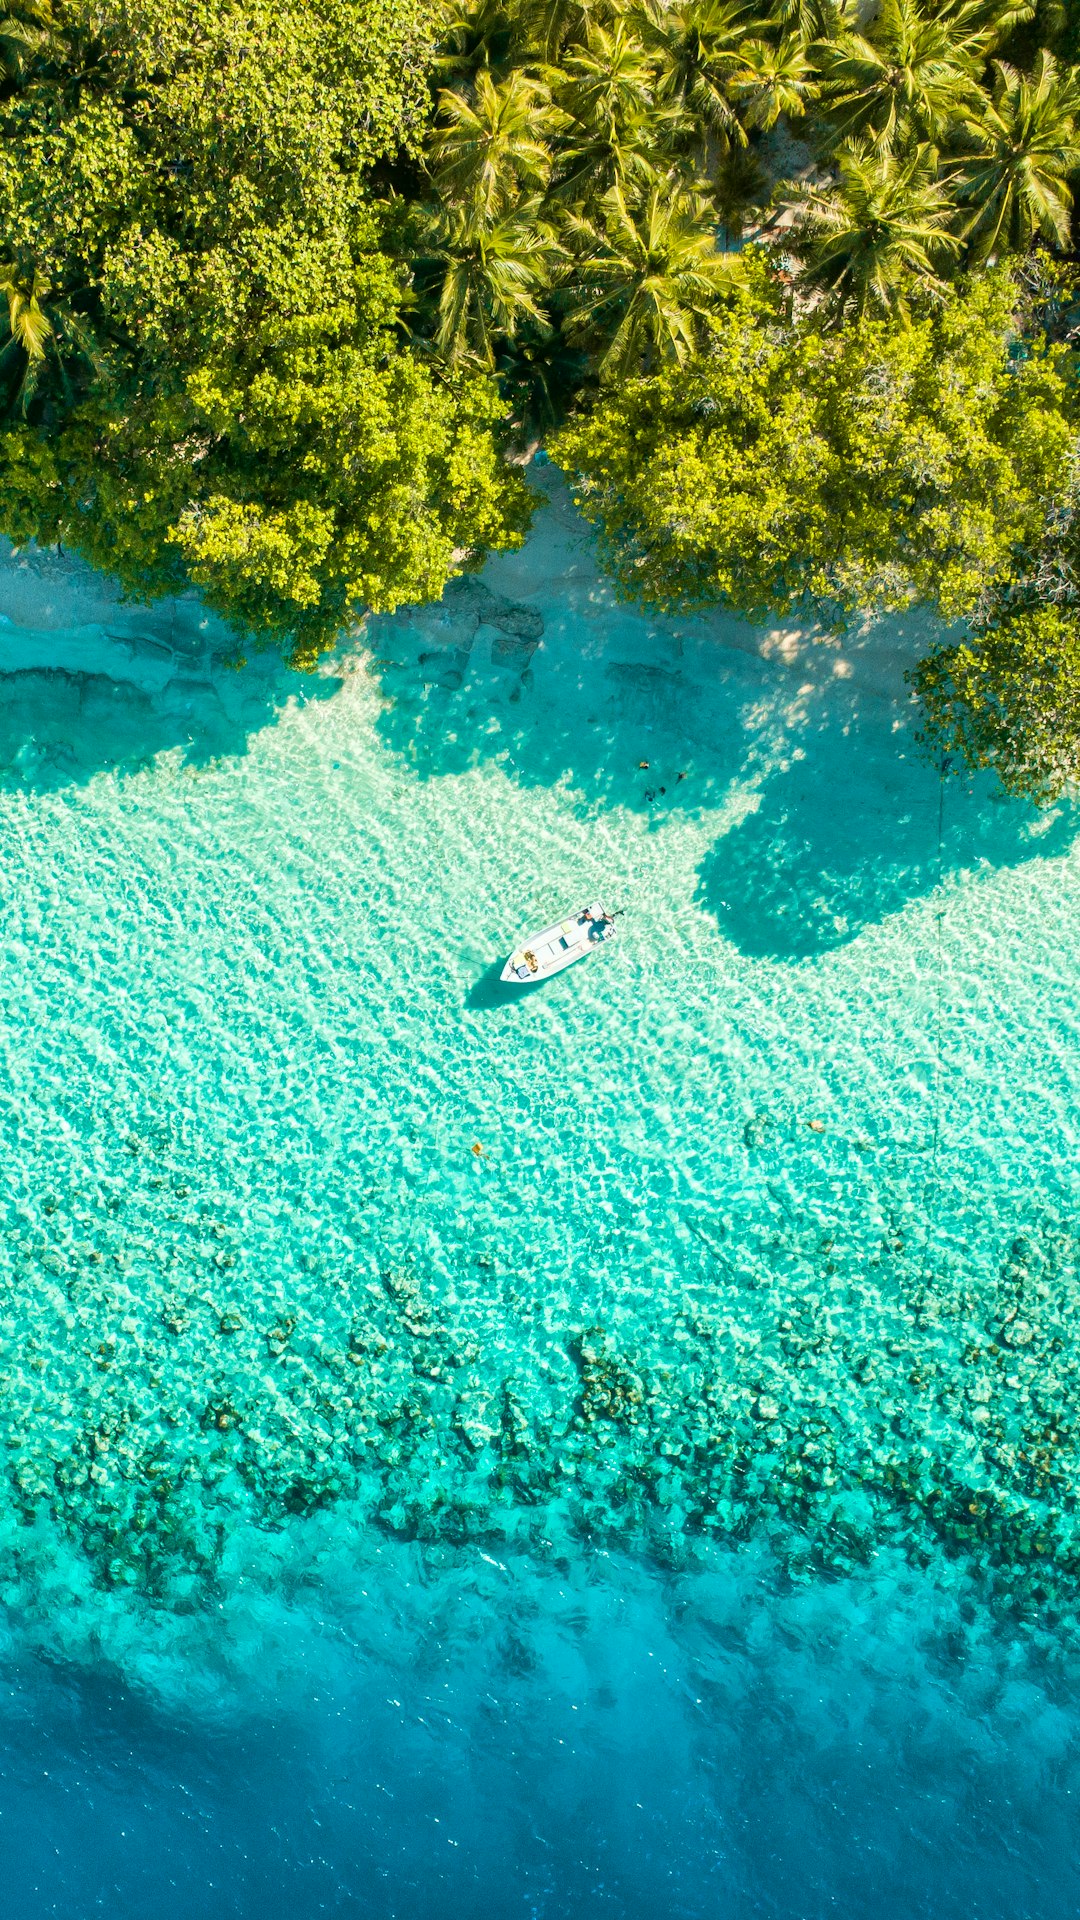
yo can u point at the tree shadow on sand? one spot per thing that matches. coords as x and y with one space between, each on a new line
462 692
91 680
804 748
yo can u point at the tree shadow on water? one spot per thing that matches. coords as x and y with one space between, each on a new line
58 727
829 850
840 822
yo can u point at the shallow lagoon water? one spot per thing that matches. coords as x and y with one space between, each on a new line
610 1449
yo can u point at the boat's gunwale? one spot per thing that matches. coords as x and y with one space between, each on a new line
559 962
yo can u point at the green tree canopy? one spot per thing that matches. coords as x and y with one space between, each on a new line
1008 698
222 390
865 467
281 280
934 459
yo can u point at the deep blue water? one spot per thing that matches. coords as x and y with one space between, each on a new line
748 1757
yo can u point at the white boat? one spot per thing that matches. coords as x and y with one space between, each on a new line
559 946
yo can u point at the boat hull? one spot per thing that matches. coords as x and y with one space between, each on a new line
545 954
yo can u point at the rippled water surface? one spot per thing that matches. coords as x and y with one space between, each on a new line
606 1449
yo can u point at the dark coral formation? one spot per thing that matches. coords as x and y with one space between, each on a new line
157 1387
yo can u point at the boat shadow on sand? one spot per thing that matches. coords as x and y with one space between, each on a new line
491 992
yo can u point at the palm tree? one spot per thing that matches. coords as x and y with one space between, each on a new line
1059 28
552 27
996 18
610 79
615 129
27 31
653 271
477 36
812 19
774 78
494 269
884 224
30 326
488 149
738 189
910 78
698 45
540 370
1026 144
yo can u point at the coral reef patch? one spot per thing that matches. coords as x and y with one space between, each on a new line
163 1381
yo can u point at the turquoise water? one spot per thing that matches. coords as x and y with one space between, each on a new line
611 1448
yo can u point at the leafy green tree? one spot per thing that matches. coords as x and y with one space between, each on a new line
1007 695
883 229
397 468
863 467
1026 146
1008 699
227 396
